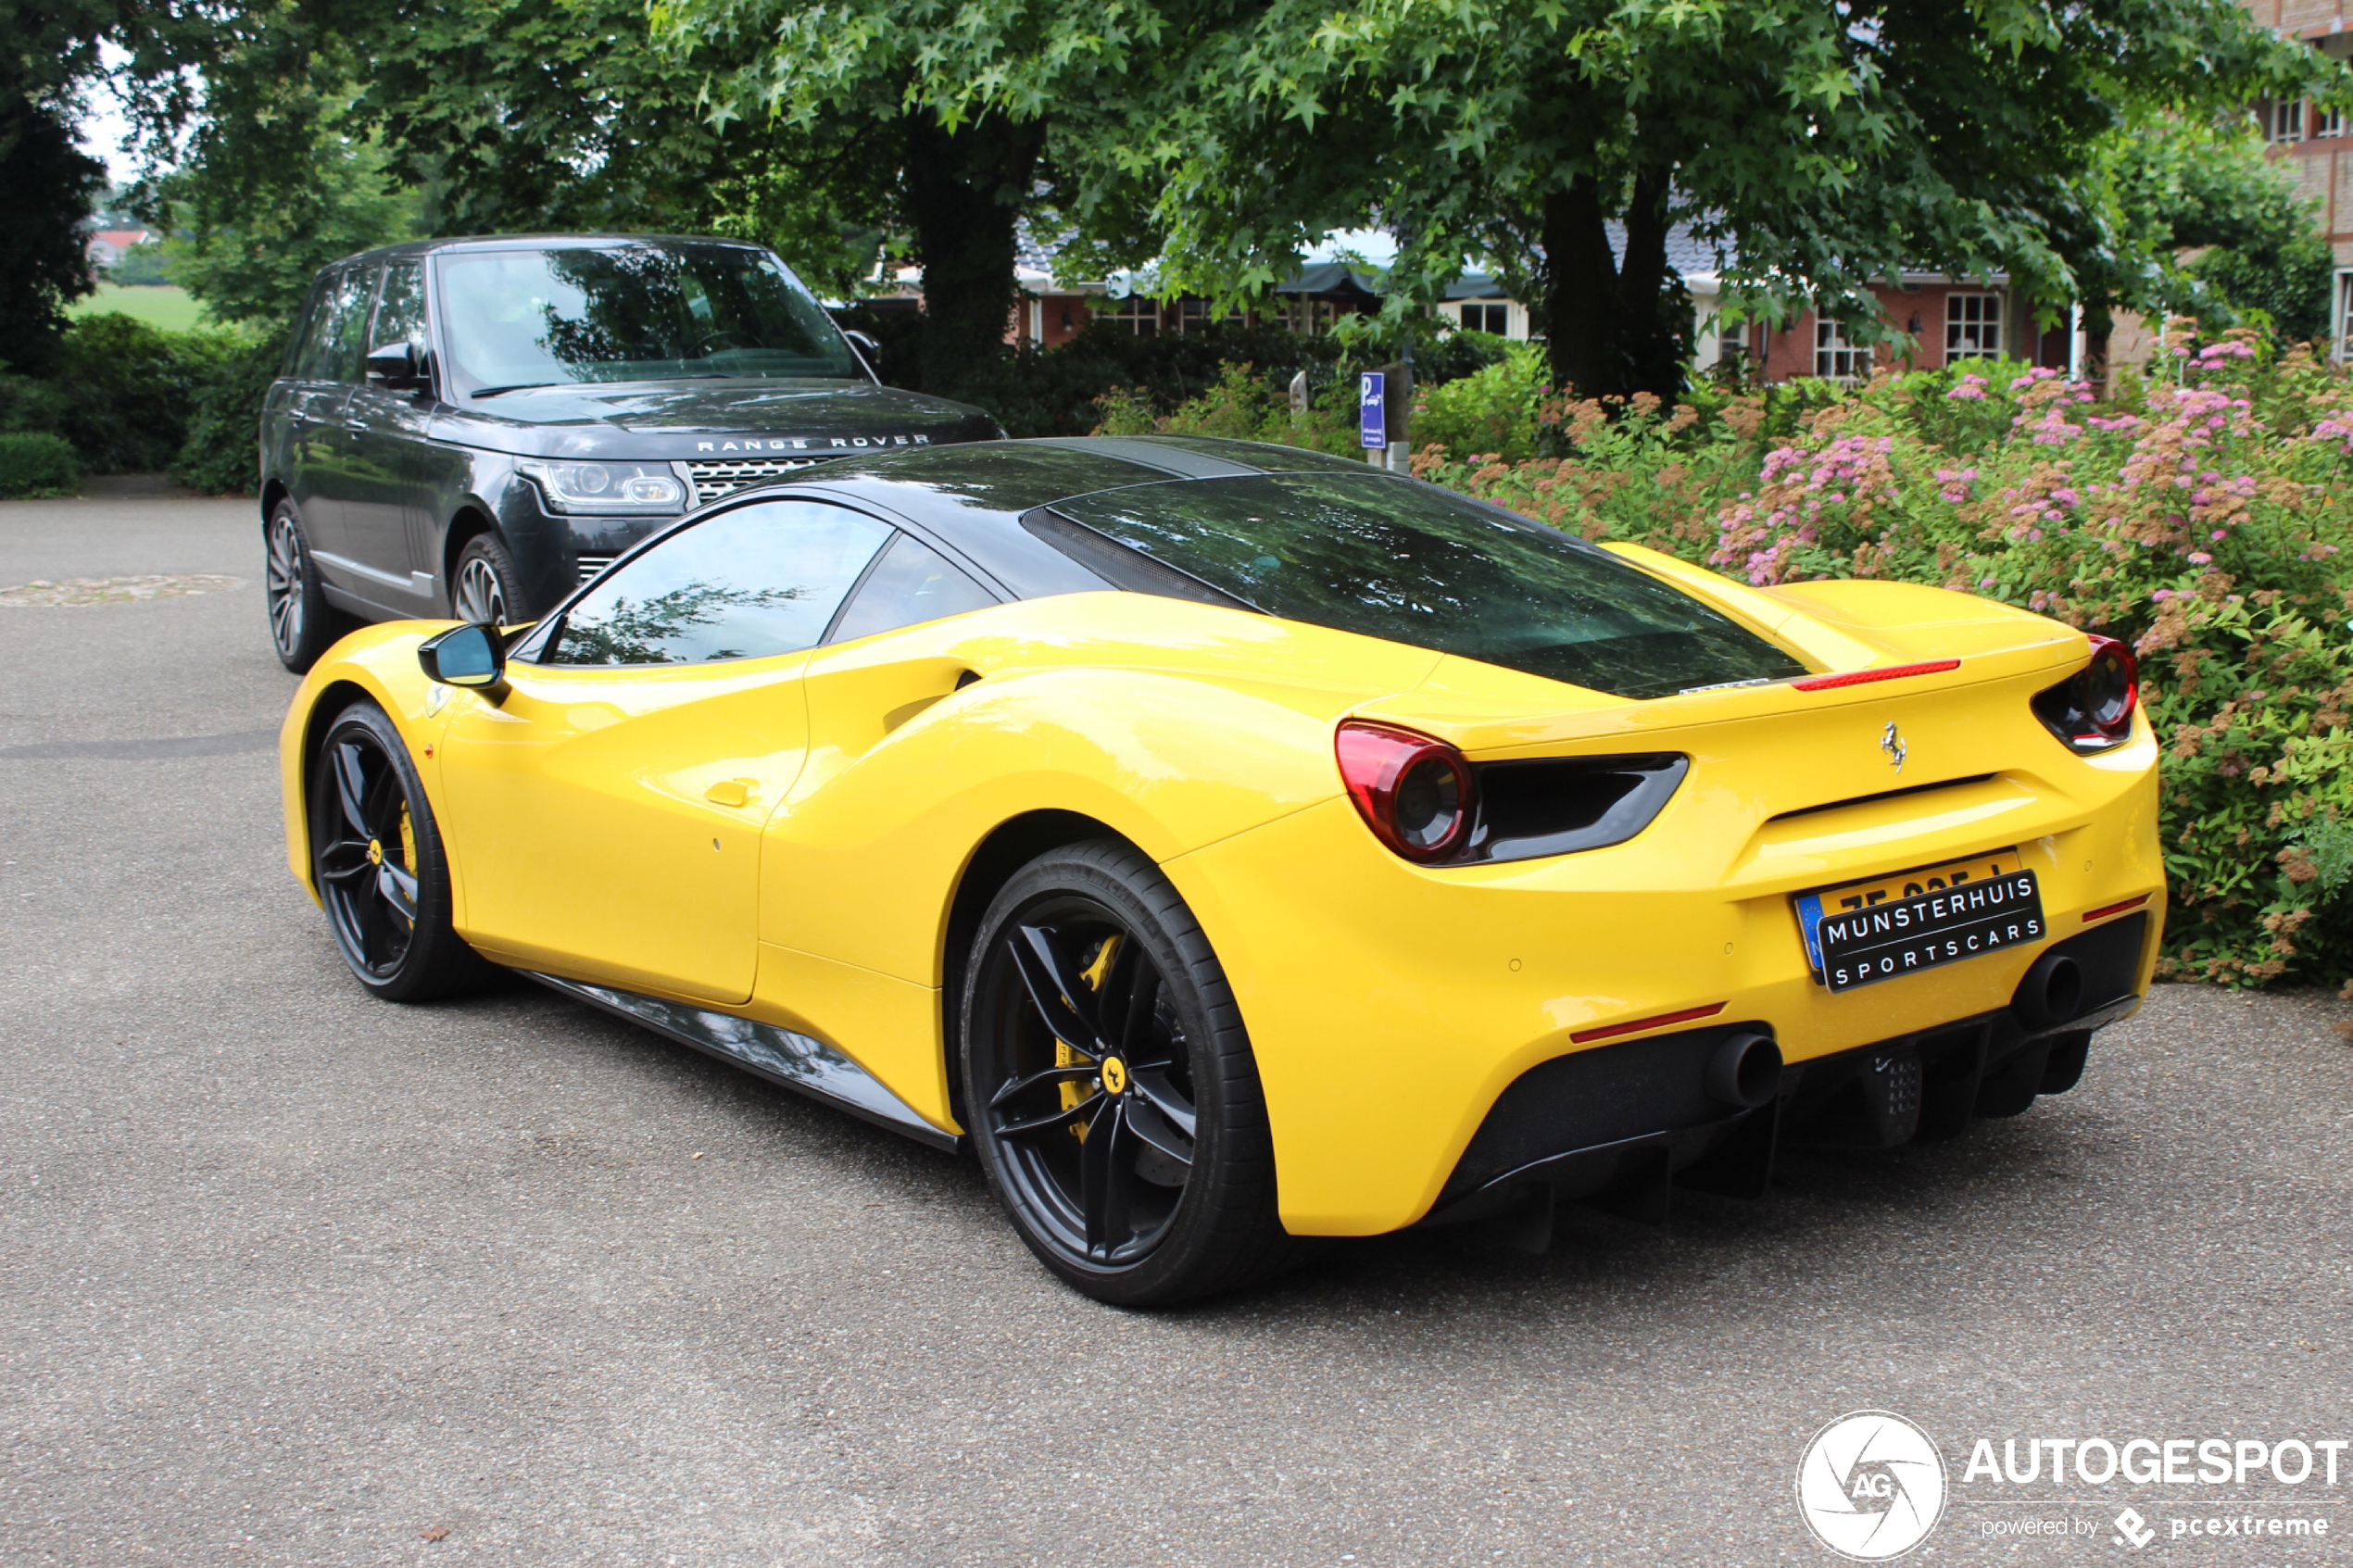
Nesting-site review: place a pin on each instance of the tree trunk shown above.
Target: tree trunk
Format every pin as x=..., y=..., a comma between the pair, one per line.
x=964, y=190
x=1616, y=326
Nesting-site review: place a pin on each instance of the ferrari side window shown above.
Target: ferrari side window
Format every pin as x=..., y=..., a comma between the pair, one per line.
x=910, y=584
x=759, y=579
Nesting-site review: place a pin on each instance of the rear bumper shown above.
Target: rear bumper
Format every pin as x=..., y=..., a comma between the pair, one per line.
x=1634, y=1121
x=1391, y=1007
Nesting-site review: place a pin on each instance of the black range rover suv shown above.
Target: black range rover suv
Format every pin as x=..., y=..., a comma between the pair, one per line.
x=473, y=428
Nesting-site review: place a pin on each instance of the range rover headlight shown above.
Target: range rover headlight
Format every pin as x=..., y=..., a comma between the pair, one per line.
x=606, y=487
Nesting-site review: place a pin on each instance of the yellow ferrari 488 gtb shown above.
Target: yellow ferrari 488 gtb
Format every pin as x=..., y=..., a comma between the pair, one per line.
x=1231, y=844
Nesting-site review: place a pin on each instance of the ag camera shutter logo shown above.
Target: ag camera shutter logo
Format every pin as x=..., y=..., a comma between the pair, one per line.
x=1871, y=1486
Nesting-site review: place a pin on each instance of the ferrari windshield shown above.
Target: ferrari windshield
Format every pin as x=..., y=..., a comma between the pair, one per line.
x=643, y=311
x=1416, y=564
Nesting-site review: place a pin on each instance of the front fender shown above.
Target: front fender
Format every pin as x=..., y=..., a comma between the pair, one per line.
x=380, y=663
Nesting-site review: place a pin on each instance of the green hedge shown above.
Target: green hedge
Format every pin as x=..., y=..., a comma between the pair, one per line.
x=35, y=463
x=221, y=453
x=127, y=396
x=1057, y=391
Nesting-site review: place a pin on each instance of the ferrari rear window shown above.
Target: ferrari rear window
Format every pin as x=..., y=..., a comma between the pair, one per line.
x=1416, y=564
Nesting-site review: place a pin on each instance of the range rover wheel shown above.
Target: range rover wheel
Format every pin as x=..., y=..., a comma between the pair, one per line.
x=1110, y=1088
x=376, y=855
x=302, y=624
x=484, y=587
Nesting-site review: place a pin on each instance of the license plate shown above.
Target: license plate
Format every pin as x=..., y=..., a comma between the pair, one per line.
x=1867, y=932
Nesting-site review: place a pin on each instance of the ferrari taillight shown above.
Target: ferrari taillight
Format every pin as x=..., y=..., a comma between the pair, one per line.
x=2092, y=709
x=1414, y=792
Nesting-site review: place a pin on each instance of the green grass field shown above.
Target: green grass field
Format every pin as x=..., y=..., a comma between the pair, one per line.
x=162, y=306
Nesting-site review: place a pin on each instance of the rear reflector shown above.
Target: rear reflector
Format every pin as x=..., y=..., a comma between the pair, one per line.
x=2119, y=908
x=1865, y=677
x=1611, y=1031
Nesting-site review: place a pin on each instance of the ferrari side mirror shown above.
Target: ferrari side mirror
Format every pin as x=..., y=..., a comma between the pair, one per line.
x=464, y=655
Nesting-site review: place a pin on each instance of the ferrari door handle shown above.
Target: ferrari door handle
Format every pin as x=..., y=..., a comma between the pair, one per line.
x=731, y=792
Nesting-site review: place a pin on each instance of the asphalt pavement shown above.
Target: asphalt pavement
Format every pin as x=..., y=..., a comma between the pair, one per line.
x=291, y=1277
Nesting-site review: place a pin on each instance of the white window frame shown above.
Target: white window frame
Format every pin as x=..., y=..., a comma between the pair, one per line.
x=2288, y=120
x=1486, y=311
x=2327, y=122
x=2341, y=346
x=1140, y=313
x=1972, y=326
x=1836, y=358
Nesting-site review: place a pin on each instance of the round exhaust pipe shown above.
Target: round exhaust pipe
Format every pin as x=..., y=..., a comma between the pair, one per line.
x=2051, y=991
x=1746, y=1072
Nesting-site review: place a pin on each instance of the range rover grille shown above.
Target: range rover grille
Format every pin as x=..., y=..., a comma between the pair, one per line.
x=715, y=479
x=591, y=565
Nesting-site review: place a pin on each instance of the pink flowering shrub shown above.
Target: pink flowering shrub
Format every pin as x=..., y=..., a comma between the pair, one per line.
x=2203, y=514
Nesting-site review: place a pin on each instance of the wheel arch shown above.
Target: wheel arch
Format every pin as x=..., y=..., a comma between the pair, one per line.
x=325, y=707
x=468, y=523
x=274, y=490
x=1008, y=847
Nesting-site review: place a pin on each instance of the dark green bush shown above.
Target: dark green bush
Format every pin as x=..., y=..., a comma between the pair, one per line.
x=30, y=403
x=1054, y=391
x=221, y=454
x=35, y=463
x=131, y=387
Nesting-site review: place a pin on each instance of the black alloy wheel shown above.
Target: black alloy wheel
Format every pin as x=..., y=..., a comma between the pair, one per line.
x=377, y=862
x=302, y=626
x=484, y=587
x=1110, y=1088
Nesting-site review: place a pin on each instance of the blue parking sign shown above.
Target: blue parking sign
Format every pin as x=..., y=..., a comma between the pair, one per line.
x=1372, y=413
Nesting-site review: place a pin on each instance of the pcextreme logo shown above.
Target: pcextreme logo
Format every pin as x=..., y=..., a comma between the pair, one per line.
x=1870, y=1485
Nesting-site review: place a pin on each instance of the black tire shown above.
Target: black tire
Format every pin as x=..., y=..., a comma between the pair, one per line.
x=377, y=860
x=484, y=586
x=302, y=624
x=1093, y=1160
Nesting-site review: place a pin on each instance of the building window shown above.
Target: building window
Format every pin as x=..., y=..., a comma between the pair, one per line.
x=1311, y=318
x=2287, y=121
x=1834, y=358
x=1493, y=319
x=2343, y=317
x=1137, y=313
x=2328, y=123
x=1972, y=326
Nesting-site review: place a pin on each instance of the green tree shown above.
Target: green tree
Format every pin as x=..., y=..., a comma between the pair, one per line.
x=966, y=111
x=48, y=54
x=320, y=127
x=2211, y=190
x=1820, y=145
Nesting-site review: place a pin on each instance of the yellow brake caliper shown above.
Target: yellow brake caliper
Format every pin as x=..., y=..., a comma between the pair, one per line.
x=1095, y=974
x=407, y=842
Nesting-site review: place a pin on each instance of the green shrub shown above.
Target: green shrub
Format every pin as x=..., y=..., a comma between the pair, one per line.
x=27, y=403
x=35, y=463
x=1495, y=410
x=221, y=454
x=1054, y=391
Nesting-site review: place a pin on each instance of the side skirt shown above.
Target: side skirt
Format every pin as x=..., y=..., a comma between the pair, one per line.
x=796, y=1061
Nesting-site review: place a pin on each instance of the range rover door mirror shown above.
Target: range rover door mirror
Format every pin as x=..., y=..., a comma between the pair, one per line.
x=397, y=366
x=868, y=349
x=464, y=655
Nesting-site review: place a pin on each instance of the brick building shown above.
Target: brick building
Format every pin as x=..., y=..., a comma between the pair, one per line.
x=2315, y=141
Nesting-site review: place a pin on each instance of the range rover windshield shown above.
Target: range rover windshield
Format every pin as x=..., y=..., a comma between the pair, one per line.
x=1415, y=564
x=636, y=312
